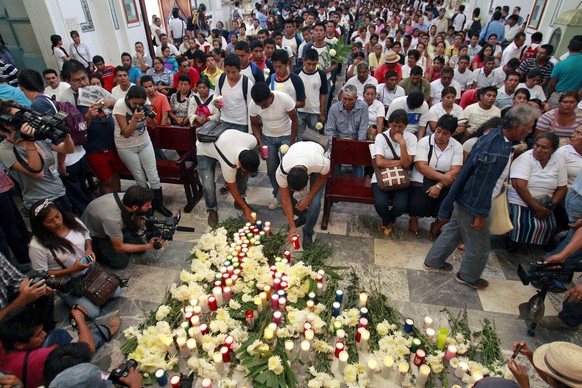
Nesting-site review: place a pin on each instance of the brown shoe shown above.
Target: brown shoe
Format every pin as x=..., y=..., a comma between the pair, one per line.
x=555, y=323
x=113, y=325
x=212, y=218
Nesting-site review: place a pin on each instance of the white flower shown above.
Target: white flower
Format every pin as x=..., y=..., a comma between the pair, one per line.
x=332, y=52
x=162, y=312
x=275, y=365
x=233, y=304
x=350, y=374
x=333, y=41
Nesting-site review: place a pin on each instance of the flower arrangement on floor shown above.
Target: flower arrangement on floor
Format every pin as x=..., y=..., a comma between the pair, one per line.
x=244, y=316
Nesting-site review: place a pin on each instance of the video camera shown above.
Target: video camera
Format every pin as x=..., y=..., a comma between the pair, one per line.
x=62, y=284
x=122, y=371
x=46, y=126
x=164, y=229
x=148, y=111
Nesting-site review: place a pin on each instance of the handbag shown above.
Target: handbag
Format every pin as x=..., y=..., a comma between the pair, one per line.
x=499, y=221
x=390, y=178
x=311, y=135
x=99, y=284
x=211, y=131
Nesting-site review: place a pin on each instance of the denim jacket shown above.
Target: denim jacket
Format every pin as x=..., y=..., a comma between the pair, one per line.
x=474, y=186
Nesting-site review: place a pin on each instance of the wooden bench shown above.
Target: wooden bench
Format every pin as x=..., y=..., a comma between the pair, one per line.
x=181, y=171
x=341, y=188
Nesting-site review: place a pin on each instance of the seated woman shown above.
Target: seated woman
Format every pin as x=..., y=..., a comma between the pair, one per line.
x=200, y=108
x=564, y=119
x=179, y=102
x=59, y=244
x=170, y=62
x=395, y=147
x=437, y=163
x=163, y=78
x=376, y=111
x=538, y=183
x=572, y=154
x=446, y=106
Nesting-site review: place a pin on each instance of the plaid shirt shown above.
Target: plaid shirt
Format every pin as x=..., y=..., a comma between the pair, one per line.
x=10, y=279
x=342, y=125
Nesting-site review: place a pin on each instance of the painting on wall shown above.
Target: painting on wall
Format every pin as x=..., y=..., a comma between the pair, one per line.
x=113, y=14
x=537, y=13
x=131, y=14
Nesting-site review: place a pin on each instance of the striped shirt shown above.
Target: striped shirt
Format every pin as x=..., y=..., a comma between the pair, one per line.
x=532, y=63
x=548, y=122
x=10, y=279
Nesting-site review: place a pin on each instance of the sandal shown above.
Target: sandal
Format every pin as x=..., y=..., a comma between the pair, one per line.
x=386, y=230
x=414, y=233
x=413, y=228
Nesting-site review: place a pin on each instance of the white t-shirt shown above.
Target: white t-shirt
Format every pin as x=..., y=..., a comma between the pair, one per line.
x=314, y=84
x=235, y=109
x=230, y=143
x=382, y=148
x=416, y=117
x=374, y=111
x=484, y=80
x=478, y=116
x=536, y=92
x=440, y=160
x=173, y=50
x=303, y=153
x=81, y=53
x=59, y=56
x=573, y=162
x=58, y=92
x=276, y=120
x=42, y=259
x=360, y=85
x=464, y=79
x=292, y=44
x=540, y=181
x=177, y=28
x=386, y=96
x=499, y=77
x=118, y=93
x=458, y=22
x=140, y=134
x=436, y=90
x=437, y=110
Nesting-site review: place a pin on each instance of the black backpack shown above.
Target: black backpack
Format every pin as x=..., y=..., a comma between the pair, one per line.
x=245, y=84
x=475, y=28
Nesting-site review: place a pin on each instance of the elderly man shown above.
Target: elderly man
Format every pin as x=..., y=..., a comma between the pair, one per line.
x=363, y=78
x=468, y=203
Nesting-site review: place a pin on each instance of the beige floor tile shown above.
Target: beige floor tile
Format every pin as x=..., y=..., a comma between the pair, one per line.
x=338, y=224
x=400, y=254
x=505, y=296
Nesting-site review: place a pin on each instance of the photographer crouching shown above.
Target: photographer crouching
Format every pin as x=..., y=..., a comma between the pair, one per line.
x=27, y=152
x=115, y=225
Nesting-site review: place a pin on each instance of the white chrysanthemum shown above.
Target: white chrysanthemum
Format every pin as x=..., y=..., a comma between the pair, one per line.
x=162, y=312
x=131, y=332
x=251, y=348
x=350, y=374
x=275, y=365
x=322, y=347
x=233, y=304
x=332, y=52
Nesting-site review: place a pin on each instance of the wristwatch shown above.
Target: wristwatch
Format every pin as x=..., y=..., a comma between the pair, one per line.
x=439, y=186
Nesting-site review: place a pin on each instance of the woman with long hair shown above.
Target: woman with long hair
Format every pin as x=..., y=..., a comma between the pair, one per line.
x=479, y=59
x=59, y=51
x=61, y=245
x=163, y=78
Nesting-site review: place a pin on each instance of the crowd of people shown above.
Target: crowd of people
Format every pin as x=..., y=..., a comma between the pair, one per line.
x=467, y=105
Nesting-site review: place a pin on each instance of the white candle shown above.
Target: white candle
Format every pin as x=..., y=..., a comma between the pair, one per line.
x=387, y=368
x=427, y=322
x=372, y=364
x=197, y=334
x=403, y=371
x=423, y=373
x=340, y=335
x=456, y=386
x=227, y=291
x=206, y=383
x=191, y=344
x=319, y=289
x=289, y=345
x=184, y=351
x=430, y=333
x=342, y=361
x=218, y=364
x=197, y=310
x=363, y=299
x=195, y=321
x=309, y=334
x=258, y=303
x=170, y=348
x=203, y=303
x=305, y=346
x=364, y=340
x=217, y=292
x=461, y=369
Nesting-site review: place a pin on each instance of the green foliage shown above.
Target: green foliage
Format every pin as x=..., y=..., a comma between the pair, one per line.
x=232, y=224
x=490, y=343
x=274, y=246
x=342, y=51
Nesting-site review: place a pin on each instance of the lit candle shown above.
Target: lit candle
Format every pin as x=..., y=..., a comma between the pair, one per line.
x=197, y=333
x=476, y=376
x=309, y=334
x=218, y=363
x=185, y=325
x=451, y=352
x=258, y=303
x=263, y=296
x=461, y=369
x=295, y=241
x=387, y=368
x=175, y=381
x=305, y=346
x=430, y=334
x=161, y=377
x=415, y=345
x=419, y=357
x=336, y=309
x=364, y=340
x=363, y=322
x=342, y=361
x=363, y=312
x=359, y=332
x=254, y=216
x=282, y=303
x=206, y=383
x=423, y=373
x=277, y=317
x=268, y=223
x=456, y=386
x=195, y=321
x=336, y=326
x=320, y=289
x=170, y=348
x=250, y=318
x=228, y=341
x=227, y=292
x=340, y=335
x=268, y=334
x=427, y=322
x=307, y=326
x=289, y=349
x=217, y=292
x=408, y=325
x=191, y=332
x=191, y=344
x=225, y=353
x=212, y=303
x=262, y=235
x=310, y=305
x=339, y=347
x=363, y=299
x=442, y=338
x=403, y=371
x=184, y=351
x=287, y=255
x=267, y=290
x=259, y=225
x=203, y=303
x=372, y=365
x=275, y=301
x=267, y=230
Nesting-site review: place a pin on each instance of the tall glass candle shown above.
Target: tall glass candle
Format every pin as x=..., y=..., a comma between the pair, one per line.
x=225, y=353
x=451, y=352
x=372, y=365
x=427, y=322
x=191, y=344
x=442, y=338
x=184, y=351
x=218, y=363
x=461, y=369
x=423, y=373
x=206, y=383
x=363, y=299
x=402, y=372
x=387, y=367
x=305, y=346
x=339, y=347
x=342, y=361
x=289, y=345
x=430, y=333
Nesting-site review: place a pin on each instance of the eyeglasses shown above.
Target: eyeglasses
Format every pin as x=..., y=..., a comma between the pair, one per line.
x=42, y=206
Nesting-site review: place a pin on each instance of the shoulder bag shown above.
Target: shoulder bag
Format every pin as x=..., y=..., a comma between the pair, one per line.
x=391, y=178
x=499, y=220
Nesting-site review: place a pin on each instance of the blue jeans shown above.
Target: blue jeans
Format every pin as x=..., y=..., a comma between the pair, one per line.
x=238, y=127
x=206, y=170
x=74, y=182
x=573, y=204
x=382, y=200
x=141, y=162
x=93, y=310
x=312, y=212
x=274, y=143
x=306, y=120
x=477, y=245
x=62, y=337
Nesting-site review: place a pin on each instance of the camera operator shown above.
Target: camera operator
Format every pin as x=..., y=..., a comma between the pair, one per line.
x=35, y=169
x=115, y=224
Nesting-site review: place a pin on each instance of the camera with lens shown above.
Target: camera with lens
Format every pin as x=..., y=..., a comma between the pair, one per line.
x=546, y=274
x=48, y=126
x=122, y=371
x=62, y=284
x=164, y=229
x=147, y=110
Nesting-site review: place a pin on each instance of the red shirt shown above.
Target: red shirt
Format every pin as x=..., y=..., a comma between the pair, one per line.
x=381, y=70
x=468, y=97
x=107, y=76
x=192, y=73
x=14, y=362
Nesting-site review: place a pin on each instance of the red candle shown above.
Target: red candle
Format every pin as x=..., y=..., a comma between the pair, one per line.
x=228, y=341
x=230, y=269
x=275, y=301
x=218, y=283
x=287, y=255
x=175, y=381
x=359, y=333
x=295, y=240
x=204, y=329
x=339, y=347
x=419, y=357
x=188, y=315
x=320, y=278
x=363, y=322
x=212, y=304
x=225, y=351
x=234, y=278
x=284, y=285
x=224, y=277
x=277, y=317
x=241, y=255
x=226, y=293
x=277, y=283
x=267, y=230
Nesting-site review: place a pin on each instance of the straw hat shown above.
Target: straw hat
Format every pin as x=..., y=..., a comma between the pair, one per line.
x=391, y=57
x=560, y=360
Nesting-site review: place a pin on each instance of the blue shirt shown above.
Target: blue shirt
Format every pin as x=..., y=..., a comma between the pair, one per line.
x=567, y=73
x=262, y=18
x=134, y=74
x=577, y=185
x=8, y=92
x=493, y=27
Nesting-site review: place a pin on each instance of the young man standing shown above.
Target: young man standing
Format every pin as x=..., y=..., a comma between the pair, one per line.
x=248, y=68
x=235, y=96
x=286, y=81
x=315, y=93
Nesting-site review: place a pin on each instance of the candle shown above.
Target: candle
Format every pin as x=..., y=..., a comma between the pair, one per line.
x=359, y=332
x=287, y=255
x=197, y=333
x=228, y=341
x=319, y=289
x=339, y=347
x=340, y=335
x=267, y=223
x=451, y=352
x=336, y=326
x=277, y=283
x=267, y=290
x=161, y=377
x=275, y=301
x=342, y=361
x=191, y=344
x=408, y=325
x=218, y=363
x=268, y=334
x=363, y=312
x=423, y=373
x=191, y=332
x=372, y=364
x=442, y=337
x=310, y=305
x=250, y=318
x=254, y=216
x=185, y=325
x=277, y=317
x=311, y=295
x=339, y=296
x=267, y=230
x=419, y=357
x=217, y=292
x=206, y=383
x=289, y=349
x=184, y=351
x=282, y=303
x=476, y=376
x=225, y=353
x=336, y=309
x=263, y=296
x=212, y=303
x=305, y=346
x=307, y=326
x=456, y=386
x=430, y=334
x=259, y=225
x=364, y=340
x=387, y=368
x=363, y=322
x=309, y=334
x=403, y=371
x=427, y=322
x=227, y=292
x=195, y=321
x=203, y=303
x=204, y=329
x=170, y=348
x=363, y=299
x=258, y=303
x=415, y=345
x=262, y=235
x=461, y=369
x=175, y=381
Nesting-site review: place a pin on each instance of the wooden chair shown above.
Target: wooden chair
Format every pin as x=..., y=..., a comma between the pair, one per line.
x=341, y=188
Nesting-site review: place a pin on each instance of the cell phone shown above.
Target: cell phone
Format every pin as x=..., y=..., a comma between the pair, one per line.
x=4, y=374
x=516, y=352
x=87, y=260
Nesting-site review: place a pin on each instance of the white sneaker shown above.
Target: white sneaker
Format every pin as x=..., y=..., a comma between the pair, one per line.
x=274, y=203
